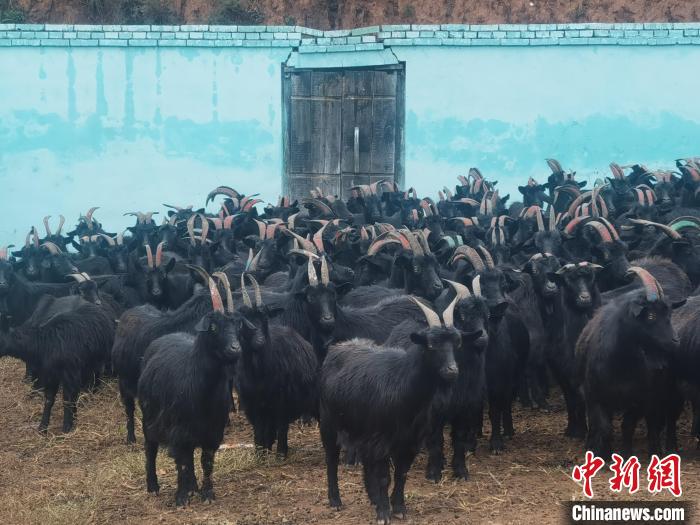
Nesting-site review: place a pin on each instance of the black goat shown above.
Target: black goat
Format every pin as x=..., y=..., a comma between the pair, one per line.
x=572, y=308
x=184, y=394
x=624, y=361
x=277, y=375
x=140, y=326
x=460, y=403
x=64, y=344
x=377, y=399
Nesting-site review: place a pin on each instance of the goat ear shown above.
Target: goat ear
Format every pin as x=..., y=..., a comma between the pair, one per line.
x=678, y=304
x=499, y=310
x=343, y=288
x=471, y=336
x=202, y=325
x=251, y=241
x=171, y=264
x=419, y=338
x=636, y=308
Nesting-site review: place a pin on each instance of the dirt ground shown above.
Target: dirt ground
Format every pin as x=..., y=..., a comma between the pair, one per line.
x=92, y=476
x=324, y=14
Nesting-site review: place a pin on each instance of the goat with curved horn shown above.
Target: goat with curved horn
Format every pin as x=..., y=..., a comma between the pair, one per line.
x=430, y=316
x=652, y=288
x=223, y=279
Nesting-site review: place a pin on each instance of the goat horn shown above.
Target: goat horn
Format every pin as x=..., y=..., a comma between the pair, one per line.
x=319, y=204
x=149, y=256
x=379, y=244
x=666, y=229
x=107, y=238
x=4, y=250
x=88, y=216
x=610, y=227
x=476, y=286
x=262, y=229
x=52, y=248
x=254, y=262
x=311, y=272
x=573, y=225
x=448, y=314
x=554, y=166
x=305, y=253
x=617, y=171
x=486, y=256
x=461, y=290
x=652, y=287
x=318, y=238
x=159, y=254
x=190, y=230
x=205, y=228
x=601, y=229
x=223, y=278
x=222, y=190
x=305, y=243
x=472, y=256
x=325, y=273
x=430, y=316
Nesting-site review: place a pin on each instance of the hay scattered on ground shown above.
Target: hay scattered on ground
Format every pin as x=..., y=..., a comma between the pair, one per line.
x=92, y=476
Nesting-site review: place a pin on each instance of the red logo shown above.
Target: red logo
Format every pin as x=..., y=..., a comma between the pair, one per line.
x=665, y=474
x=661, y=474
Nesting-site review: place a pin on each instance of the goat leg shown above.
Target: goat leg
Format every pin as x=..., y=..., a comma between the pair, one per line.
x=329, y=437
x=436, y=458
x=70, y=407
x=49, y=398
x=207, y=491
x=151, y=449
x=402, y=463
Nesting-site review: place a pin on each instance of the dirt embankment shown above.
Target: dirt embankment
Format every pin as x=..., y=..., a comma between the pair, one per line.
x=324, y=14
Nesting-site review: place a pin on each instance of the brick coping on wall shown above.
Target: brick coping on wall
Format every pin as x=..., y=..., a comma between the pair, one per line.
x=366, y=38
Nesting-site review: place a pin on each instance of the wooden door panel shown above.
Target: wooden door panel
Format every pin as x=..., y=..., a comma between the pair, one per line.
x=384, y=83
x=323, y=108
x=383, y=135
x=358, y=83
x=357, y=112
x=315, y=141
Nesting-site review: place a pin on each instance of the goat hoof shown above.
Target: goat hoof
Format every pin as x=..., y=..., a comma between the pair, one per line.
x=433, y=475
x=461, y=473
x=496, y=446
x=207, y=495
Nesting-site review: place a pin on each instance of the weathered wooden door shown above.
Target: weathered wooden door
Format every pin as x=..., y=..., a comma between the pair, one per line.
x=343, y=127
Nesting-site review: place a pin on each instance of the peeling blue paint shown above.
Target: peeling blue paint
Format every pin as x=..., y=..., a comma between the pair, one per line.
x=141, y=124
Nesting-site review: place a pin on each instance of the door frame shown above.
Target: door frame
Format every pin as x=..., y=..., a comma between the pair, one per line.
x=399, y=146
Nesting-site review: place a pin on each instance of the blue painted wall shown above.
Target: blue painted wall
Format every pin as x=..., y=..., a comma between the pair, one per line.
x=506, y=109
x=130, y=128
